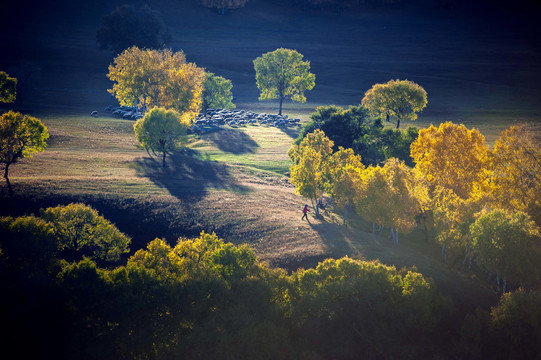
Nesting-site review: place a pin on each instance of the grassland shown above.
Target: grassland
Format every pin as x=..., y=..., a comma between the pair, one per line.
x=481, y=72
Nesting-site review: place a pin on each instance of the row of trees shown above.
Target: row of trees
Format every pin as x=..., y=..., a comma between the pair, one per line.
x=482, y=203
x=70, y=296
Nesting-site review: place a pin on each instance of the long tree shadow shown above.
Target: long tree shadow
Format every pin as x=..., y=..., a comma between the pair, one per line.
x=186, y=176
x=291, y=131
x=232, y=141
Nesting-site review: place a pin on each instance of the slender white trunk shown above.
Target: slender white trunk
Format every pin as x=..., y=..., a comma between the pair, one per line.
x=444, y=253
x=391, y=234
x=380, y=230
x=465, y=257
x=373, y=228
x=396, y=236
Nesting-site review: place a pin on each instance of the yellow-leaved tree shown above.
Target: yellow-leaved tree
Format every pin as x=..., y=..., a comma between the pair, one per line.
x=148, y=78
x=453, y=157
x=345, y=170
x=310, y=168
x=516, y=177
x=390, y=196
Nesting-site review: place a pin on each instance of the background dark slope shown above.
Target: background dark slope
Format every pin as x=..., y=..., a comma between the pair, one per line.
x=476, y=64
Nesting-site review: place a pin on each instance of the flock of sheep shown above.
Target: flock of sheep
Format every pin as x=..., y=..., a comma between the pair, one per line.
x=212, y=119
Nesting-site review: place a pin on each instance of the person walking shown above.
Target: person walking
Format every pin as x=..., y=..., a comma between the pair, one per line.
x=305, y=212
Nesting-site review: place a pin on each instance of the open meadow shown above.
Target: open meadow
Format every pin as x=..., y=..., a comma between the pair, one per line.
x=484, y=74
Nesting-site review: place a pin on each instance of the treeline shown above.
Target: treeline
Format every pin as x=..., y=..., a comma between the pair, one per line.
x=482, y=204
x=65, y=297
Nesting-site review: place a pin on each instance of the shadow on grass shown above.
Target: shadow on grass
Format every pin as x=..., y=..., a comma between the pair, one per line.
x=232, y=141
x=291, y=131
x=186, y=176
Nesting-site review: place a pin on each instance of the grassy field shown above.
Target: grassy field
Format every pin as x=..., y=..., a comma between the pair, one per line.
x=481, y=71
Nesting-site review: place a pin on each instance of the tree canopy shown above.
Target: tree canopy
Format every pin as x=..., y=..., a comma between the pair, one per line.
x=160, y=130
x=128, y=25
x=21, y=136
x=148, y=78
x=402, y=99
x=8, y=88
x=283, y=74
x=217, y=92
x=454, y=157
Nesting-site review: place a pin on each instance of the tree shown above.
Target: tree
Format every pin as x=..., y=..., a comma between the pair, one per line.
x=128, y=26
x=509, y=245
x=148, y=78
x=82, y=232
x=516, y=173
x=21, y=136
x=160, y=130
x=8, y=88
x=222, y=5
x=283, y=74
x=217, y=92
x=342, y=126
x=402, y=99
x=453, y=157
x=345, y=173
x=310, y=169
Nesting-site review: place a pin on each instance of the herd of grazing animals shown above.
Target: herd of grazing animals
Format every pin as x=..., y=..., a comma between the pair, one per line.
x=211, y=119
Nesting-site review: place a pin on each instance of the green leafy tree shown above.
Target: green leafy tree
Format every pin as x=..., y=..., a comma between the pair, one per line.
x=283, y=74
x=21, y=136
x=128, y=26
x=509, y=245
x=8, y=88
x=160, y=130
x=82, y=232
x=217, y=93
x=402, y=99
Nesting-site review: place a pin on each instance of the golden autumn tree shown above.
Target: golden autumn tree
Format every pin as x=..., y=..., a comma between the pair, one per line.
x=389, y=196
x=345, y=173
x=453, y=157
x=148, y=78
x=310, y=170
x=516, y=176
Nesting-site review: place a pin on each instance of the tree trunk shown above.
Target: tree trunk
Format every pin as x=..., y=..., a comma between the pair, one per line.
x=396, y=236
x=444, y=253
x=373, y=228
x=163, y=159
x=7, y=178
x=281, y=101
x=380, y=230
x=345, y=212
x=397, y=123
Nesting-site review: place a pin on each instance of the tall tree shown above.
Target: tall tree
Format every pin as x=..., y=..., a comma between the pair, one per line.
x=21, y=136
x=160, y=130
x=222, y=5
x=8, y=88
x=128, y=26
x=217, y=92
x=148, y=78
x=310, y=169
x=345, y=172
x=509, y=245
x=282, y=74
x=453, y=157
x=516, y=176
x=402, y=99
